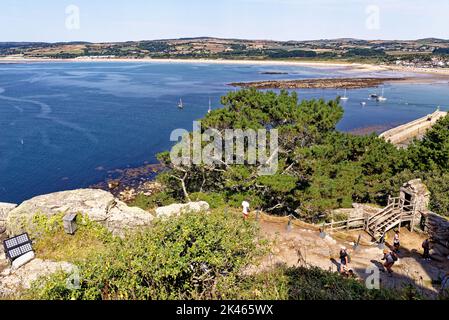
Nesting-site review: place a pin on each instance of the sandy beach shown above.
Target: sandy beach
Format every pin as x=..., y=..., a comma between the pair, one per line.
x=367, y=67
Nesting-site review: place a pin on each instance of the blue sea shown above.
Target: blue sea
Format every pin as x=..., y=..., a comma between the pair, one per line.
x=67, y=125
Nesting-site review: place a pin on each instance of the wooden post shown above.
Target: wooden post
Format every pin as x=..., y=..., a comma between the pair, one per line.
x=412, y=223
x=289, y=224
x=332, y=221
x=366, y=221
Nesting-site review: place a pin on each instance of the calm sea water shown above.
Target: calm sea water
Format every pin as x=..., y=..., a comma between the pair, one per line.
x=65, y=125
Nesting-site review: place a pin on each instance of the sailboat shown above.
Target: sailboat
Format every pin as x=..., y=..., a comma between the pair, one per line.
x=344, y=98
x=210, y=107
x=381, y=97
x=180, y=104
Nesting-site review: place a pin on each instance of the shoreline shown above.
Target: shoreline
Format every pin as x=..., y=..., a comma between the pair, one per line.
x=370, y=67
x=419, y=76
x=416, y=75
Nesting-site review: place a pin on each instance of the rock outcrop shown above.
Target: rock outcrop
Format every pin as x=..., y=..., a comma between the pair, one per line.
x=437, y=227
x=326, y=83
x=358, y=210
x=178, y=208
x=13, y=281
x=416, y=192
x=100, y=206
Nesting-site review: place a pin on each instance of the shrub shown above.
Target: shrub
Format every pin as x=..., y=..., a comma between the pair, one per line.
x=51, y=242
x=301, y=283
x=215, y=200
x=181, y=258
x=156, y=200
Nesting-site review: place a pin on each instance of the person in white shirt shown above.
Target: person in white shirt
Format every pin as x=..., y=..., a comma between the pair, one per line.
x=396, y=242
x=245, y=210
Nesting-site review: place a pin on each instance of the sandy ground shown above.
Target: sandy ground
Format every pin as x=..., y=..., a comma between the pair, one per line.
x=434, y=71
x=302, y=245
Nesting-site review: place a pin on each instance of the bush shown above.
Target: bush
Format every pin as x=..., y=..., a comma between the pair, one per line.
x=215, y=200
x=199, y=256
x=51, y=241
x=300, y=283
x=156, y=200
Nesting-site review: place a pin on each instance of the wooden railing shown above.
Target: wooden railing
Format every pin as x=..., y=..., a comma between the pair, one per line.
x=349, y=224
x=378, y=224
x=392, y=204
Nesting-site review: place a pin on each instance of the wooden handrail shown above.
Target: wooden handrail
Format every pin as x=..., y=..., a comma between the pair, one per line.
x=393, y=214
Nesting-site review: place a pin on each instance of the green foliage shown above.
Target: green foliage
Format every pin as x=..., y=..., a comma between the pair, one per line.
x=215, y=200
x=302, y=123
x=278, y=183
x=291, y=54
x=51, y=242
x=361, y=52
x=236, y=199
x=319, y=169
x=182, y=258
x=158, y=199
x=198, y=256
x=252, y=109
x=441, y=51
x=432, y=153
x=317, y=284
x=300, y=283
x=428, y=159
x=438, y=184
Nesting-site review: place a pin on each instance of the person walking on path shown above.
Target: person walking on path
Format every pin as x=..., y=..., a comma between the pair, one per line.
x=396, y=242
x=344, y=261
x=426, y=249
x=245, y=209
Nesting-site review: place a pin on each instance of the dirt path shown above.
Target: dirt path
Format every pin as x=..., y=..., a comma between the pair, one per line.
x=317, y=251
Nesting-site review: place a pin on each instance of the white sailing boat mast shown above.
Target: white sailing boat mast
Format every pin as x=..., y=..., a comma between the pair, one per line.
x=180, y=104
x=210, y=107
x=382, y=98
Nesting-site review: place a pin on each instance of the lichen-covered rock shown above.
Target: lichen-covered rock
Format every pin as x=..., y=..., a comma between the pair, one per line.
x=178, y=208
x=13, y=281
x=100, y=206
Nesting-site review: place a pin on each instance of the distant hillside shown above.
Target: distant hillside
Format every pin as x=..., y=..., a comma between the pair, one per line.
x=385, y=51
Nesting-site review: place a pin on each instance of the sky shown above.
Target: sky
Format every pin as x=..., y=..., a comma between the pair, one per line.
x=119, y=20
